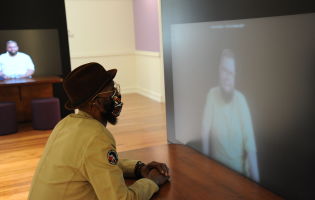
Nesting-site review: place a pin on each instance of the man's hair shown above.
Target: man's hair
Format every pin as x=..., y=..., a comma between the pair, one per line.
x=226, y=53
x=11, y=41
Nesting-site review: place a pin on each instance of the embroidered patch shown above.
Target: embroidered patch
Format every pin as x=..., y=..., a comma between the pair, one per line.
x=112, y=157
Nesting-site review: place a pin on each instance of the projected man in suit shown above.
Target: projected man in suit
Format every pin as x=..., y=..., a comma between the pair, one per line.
x=227, y=131
x=15, y=64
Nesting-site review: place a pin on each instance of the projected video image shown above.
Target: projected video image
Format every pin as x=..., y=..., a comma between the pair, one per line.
x=15, y=64
x=244, y=95
x=29, y=53
x=227, y=131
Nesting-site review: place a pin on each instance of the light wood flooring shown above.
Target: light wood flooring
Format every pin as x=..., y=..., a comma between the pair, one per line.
x=141, y=124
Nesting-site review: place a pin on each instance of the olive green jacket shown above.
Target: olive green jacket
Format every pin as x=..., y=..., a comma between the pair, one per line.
x=76, y=164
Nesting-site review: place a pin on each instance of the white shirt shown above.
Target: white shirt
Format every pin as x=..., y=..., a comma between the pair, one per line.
x=15, y=66
x=227, y=132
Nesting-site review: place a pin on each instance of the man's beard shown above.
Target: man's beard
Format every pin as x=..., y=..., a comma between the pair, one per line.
x=12, y=53
x=108, y=116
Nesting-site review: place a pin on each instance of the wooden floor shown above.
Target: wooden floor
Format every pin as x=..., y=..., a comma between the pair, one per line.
x=141, y=124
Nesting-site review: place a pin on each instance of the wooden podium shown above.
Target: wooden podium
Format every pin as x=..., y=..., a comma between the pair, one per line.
x=22, y=91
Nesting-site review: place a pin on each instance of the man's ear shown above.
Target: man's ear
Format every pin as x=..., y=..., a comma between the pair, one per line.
x=93, y=104
x=99, y=104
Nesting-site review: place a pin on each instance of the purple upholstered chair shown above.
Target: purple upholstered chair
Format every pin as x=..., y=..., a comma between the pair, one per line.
x=8, y=122
x=45, y=113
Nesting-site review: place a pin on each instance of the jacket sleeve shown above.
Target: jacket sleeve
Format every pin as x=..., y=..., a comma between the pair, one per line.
x=128, y=167
x=106, y=177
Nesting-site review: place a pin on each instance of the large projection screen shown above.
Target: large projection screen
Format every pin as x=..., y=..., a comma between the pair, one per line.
x=242, y=93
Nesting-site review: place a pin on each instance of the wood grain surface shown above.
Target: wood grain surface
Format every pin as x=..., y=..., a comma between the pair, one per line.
x=30, y=81
x=22, y=91
x=196, y=177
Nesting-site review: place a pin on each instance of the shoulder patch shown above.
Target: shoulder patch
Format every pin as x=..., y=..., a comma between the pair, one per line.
x=112, y=157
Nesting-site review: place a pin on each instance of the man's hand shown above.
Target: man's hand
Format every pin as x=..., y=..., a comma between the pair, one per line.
x=158, y=178
x=6, y=77
x=29, y=73
x=160, y=167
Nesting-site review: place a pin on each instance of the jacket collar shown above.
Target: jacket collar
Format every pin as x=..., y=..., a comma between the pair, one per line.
x=82, y=114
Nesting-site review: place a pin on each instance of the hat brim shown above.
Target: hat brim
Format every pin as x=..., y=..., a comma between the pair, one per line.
x=111, y=73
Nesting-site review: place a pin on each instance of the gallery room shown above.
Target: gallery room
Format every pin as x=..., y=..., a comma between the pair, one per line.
x=157, y=99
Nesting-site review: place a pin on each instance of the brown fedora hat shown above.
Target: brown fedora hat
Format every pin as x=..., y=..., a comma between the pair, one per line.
x=85, y=82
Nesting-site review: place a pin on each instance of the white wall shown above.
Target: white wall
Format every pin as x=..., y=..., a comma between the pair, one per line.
x=149, y=75
x=99, y=27
x=103, y=31
x=150, y=70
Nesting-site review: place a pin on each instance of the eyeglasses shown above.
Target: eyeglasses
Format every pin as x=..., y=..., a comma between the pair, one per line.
x=116, y=90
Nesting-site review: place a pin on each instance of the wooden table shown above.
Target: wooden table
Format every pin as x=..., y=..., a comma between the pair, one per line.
x=22, y=91
x=194, y=176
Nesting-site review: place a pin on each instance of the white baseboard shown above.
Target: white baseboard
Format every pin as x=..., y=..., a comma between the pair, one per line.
x=150, y=94
x=129, y=90
x=114, y=53
x=144, y=92
x=102, y=54
x=147, y=53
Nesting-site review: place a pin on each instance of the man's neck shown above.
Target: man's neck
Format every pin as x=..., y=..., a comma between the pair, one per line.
x=12, y=55
x=227, y=96
x=95, y=115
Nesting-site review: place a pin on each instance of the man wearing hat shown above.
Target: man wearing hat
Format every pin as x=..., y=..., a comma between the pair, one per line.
x=80, y=159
